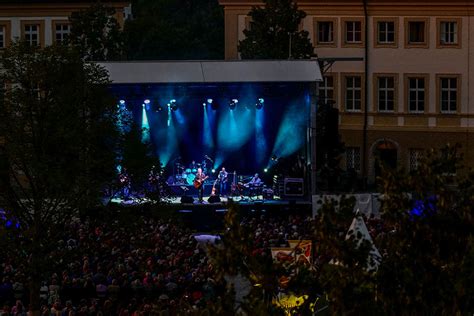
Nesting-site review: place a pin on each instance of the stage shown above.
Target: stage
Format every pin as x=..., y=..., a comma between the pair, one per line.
x=253, y=120
x=209, y=217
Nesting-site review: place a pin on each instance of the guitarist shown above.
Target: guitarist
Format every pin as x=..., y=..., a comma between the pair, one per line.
x=223, y=181
x=198, y=183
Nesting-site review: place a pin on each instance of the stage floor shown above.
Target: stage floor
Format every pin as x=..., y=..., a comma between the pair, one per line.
x=223, y=200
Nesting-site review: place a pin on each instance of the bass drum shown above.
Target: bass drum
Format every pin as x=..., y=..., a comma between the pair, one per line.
x=190, y=178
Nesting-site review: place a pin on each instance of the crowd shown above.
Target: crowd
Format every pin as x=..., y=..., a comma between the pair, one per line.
x=147, y=267
x=110, y=269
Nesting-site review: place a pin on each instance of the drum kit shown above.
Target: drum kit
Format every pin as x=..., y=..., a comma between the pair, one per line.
x=187, y=175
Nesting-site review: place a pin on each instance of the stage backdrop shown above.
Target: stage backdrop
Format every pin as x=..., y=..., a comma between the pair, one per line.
x=186, y=122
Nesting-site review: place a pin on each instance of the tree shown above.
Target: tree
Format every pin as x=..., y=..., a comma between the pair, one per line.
x=58, y=126
x=425, y=238
x=274, y=33
x=171, y=29
x=96, y=33
x=137, y=156
x=328, y=147
x=428, y=263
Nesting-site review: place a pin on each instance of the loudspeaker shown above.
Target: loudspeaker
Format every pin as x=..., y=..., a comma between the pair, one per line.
x=294, y=187
x=214, y=199
x=187, y=199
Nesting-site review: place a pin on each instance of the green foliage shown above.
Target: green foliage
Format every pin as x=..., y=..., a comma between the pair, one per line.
x=171, y=29
x=427, y=266
x=58, y=124
x=270, y=32
x=329, y=148
x=137, y=156
x=96, y=33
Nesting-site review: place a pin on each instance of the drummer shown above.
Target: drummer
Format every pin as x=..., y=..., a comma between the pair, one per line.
x=193, y=166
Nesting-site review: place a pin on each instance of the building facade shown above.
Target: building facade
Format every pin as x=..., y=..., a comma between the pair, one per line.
x=413, y=88
x=45, y=22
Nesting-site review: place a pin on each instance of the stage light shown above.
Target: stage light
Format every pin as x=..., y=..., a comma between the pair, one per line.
x=122, y=102
x=173, y=105
x=146, y=104
x=265, y=170
x=259, y=103
x=209, y=101
x=159, y=108
x=233, y=104
x=213, y=170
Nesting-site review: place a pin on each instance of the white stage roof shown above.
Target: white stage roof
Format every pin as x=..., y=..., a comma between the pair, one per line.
x=213, y=71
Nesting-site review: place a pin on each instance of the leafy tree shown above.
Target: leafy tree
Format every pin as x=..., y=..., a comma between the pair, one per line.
x=273, y=30
x=137, y=156
x=329, y=147
x=96, y=33
x=425, y=237
x=58, y=126
x=171, y=29
x=428, y=262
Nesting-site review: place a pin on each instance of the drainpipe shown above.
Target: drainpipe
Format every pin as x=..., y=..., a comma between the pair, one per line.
x=366, y=89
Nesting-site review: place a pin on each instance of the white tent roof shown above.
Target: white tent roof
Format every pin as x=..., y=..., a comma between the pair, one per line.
x=358, y=226
x=214, y=71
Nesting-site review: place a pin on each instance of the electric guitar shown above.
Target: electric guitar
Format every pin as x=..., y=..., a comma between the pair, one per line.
x=198, y=183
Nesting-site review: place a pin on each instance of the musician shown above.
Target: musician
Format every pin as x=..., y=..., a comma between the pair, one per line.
x=254, y=184
x=255, y=181
x=153, y=178
x=193, y=165
x=223, y=181
x=124, y=180
x=200, y=176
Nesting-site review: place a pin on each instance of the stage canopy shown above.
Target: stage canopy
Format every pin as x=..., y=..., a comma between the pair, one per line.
x=213, y=71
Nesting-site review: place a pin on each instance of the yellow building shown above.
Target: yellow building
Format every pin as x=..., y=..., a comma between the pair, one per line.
x=44, y=22
x=414, y=88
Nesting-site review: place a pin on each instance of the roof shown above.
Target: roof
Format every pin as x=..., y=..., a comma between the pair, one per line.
x=214, y=71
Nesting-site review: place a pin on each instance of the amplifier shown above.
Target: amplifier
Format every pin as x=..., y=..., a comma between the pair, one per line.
x=294, y=186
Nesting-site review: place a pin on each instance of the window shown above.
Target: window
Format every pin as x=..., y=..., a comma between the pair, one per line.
x=353, y=32
x=385, y=32
x=385, y=94
x=449, y=33
x=325, y=32
x=448, y=94
x=31, y=34
x=326, y=89
x=416, y=94
x=416, y=32
x=415, y=158
x=2, y=36
x=353, y=93
x=353, y=158
x=61, y=32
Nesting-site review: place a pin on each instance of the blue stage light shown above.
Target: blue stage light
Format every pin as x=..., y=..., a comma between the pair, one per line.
x=265, y=170
x=213, y=170
x=122, y=102
x=173, y=105
x=147, y=101
x=259, y=103
x=233, y=103
x=209, y=101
